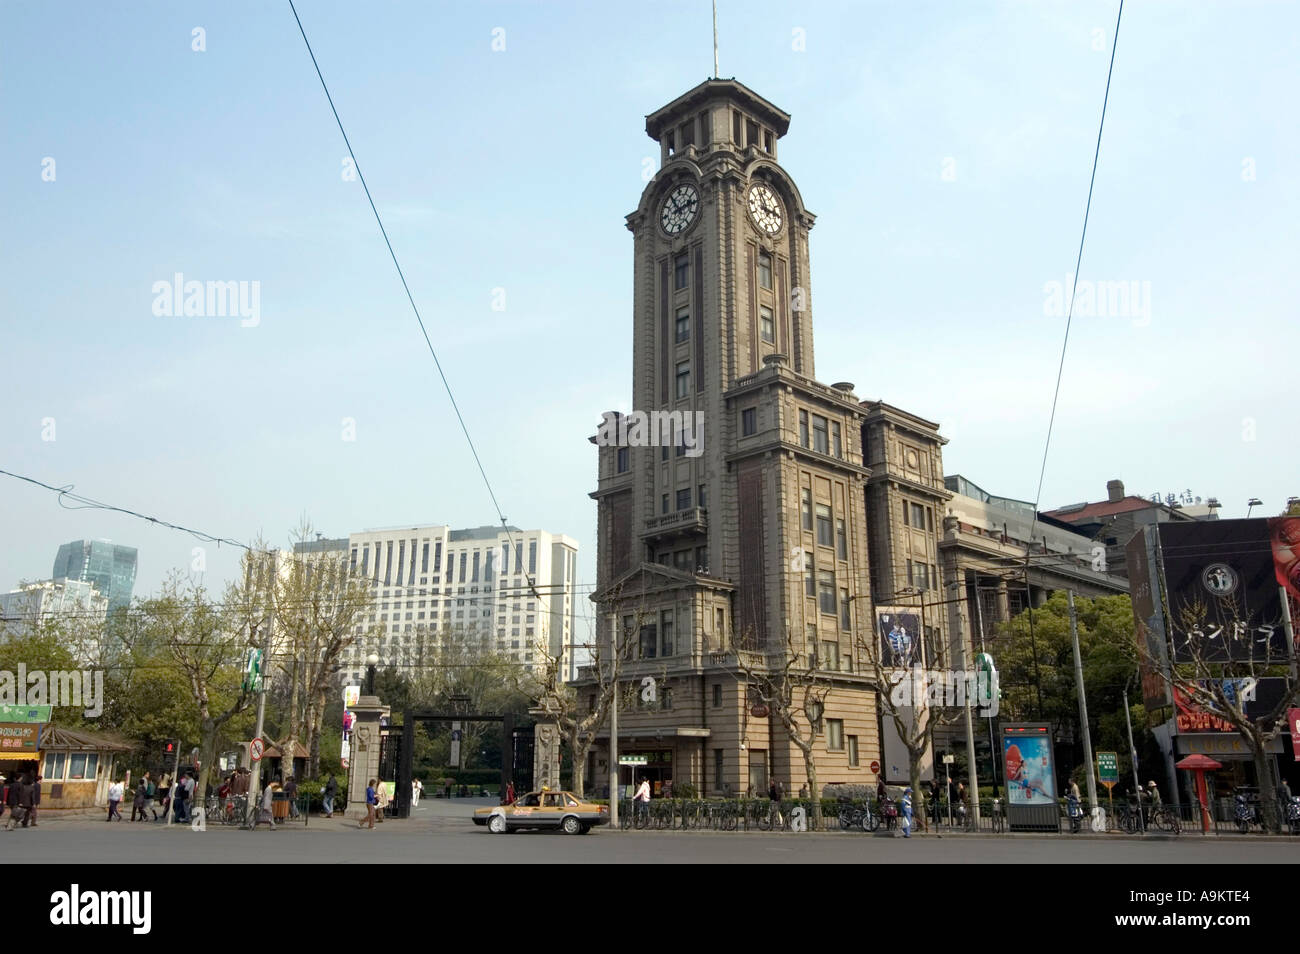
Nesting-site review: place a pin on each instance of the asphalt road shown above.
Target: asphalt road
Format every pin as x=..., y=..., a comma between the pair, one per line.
x=441, y=832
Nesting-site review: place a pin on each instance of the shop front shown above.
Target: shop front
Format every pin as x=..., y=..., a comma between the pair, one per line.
x=76, y=767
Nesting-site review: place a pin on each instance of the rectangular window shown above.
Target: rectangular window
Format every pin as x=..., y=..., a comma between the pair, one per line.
x=751, y=133
x=905, y=523
x=437, y=555
x=424, y=559
x=929, y=519
x=835, y=734
x=702, y=497
x=807, y=509
x=77, y=765
x=767, y=141
x=463, y=557
x=649, y=640
x=682, y=560
x=837, y=445
x=844, y=609
x=735, y=131
x=666, y=636
x=474, y=578
x=922, y=577
x=683, y=325
x=722, y=626
x=388, y=565
x=819, y=434
x=352, y=568
x=809, y=583
x=766, y=326
x=918, y=516
x=765, y=269
x=684, y=499
x=683, y=379
x=664, y=504
x=532, y=556
x=622, y=460
x=681, y=272
x=401, y=559
x=748, y=422
x=811, y=641
x=853, y=751
x=717, y=695
x=841, y=540
x=823, y=525
x=826, y=591
x=803, y=428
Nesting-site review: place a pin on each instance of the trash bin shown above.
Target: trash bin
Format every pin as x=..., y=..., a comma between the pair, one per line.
x=279, y=806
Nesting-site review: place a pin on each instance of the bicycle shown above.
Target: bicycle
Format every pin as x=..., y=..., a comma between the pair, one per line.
x=1165, y=818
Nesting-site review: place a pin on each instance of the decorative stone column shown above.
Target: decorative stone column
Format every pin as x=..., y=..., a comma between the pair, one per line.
x=546, y=749
x=363, y=764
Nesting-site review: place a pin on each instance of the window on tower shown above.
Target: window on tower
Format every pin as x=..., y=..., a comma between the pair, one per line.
x=681, y=272
x=765, y=269
x=683, y=325
x=748, y=423
x=767, y=326
x=820, y=443
x=683, y=379
x=623, y=453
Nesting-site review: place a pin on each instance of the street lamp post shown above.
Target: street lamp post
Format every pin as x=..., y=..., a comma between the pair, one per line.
x=371, y=662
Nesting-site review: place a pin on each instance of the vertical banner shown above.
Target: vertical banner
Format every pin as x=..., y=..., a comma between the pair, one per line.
x=1293, y=722
x=899, y=631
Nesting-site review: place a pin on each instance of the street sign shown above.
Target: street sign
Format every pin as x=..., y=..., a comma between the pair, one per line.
x=875, y=768
x=949, y=759
x=255, y=749
x=759, y=711
x=631, y=760
x=1108, y=767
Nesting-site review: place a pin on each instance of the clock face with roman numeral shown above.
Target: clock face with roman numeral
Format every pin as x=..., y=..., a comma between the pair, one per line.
x=679, y=209
x=765, y=209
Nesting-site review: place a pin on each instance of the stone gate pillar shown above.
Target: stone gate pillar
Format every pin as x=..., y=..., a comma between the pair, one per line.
x=546, y=749
x=363, y=763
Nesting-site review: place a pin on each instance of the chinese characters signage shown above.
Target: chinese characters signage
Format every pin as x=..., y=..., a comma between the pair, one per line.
x=19, y=739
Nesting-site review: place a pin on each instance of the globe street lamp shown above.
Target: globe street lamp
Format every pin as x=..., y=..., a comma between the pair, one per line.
x=371, y=662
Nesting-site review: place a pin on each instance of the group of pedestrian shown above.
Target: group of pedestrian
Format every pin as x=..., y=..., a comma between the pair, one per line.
x=21, y=797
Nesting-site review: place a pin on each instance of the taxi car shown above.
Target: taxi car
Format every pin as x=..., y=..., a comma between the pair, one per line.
x=544, y=809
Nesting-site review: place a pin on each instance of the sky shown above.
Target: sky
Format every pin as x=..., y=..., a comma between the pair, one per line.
x=945, y=147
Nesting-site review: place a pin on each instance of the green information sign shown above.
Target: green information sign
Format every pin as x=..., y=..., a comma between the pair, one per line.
x=25, y=713
x=1108, y=767
x=631, y=760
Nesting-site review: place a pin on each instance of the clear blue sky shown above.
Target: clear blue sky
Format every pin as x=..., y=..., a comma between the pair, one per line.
x=514, y=169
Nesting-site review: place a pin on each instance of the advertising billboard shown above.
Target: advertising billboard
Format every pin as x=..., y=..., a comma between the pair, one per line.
x=1030, y=773
x=899, y=629
x=1222, y=578
x=1255, y=697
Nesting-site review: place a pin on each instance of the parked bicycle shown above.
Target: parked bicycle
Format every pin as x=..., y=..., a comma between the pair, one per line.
x=857, y=816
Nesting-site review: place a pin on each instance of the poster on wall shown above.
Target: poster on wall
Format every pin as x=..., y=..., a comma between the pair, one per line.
x=900, y=637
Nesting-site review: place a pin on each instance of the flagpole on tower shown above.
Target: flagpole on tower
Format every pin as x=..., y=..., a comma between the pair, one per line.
x=715, y=39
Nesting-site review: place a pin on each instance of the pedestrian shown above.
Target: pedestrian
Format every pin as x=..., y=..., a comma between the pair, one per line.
x=189, y=783
x=327, y=799
x=114, y=799
x=178, y=799
x=291, y=790
x=381, y=801
x=140, y=799
x=803, y=790
x=13, y=800
x=371, y=801
x=36, y=800
x=1153, y=793
x=266, y=813
x=417, y=790
x=775, y=791
x=164, y=794
x=641, y=800
x=510, y=792
x=907, y=813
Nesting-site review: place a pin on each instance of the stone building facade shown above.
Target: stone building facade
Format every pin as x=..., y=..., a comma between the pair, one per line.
x=754, y=536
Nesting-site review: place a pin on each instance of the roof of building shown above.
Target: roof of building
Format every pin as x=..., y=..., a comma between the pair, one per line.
x=760, y=107
x=1102, y=508
x=57, y=737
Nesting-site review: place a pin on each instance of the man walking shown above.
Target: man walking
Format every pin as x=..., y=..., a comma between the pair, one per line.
x=907, y=813
x=327, y=799
x=291, y=791
x=140, y=801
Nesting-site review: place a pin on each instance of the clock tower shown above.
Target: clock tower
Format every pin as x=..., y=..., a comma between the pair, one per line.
x=731, y=499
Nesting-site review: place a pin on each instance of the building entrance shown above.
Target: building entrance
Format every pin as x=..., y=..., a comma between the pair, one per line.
x=658, y=769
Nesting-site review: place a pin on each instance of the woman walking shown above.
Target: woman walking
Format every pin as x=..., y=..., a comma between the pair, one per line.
x=164, y=795
x=114, y=799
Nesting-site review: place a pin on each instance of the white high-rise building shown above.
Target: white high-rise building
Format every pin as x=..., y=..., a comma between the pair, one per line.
x=71, y=600
x=511, y=590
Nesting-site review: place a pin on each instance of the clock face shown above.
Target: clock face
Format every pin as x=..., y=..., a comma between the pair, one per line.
x=765, y=208
x=679, y=209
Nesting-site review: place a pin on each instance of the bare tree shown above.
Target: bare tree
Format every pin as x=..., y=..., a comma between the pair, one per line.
x=580, y=719
x=795, y=689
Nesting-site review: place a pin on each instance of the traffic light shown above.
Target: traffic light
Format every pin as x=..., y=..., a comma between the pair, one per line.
x=169, y=748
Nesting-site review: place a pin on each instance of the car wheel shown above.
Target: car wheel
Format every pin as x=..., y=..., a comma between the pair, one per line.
x=571, y=826
x=497, y=824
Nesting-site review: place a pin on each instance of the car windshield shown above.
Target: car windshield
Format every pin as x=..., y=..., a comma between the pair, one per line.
x=532, y=799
